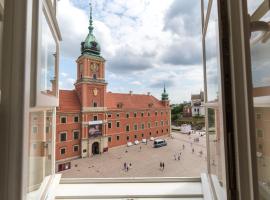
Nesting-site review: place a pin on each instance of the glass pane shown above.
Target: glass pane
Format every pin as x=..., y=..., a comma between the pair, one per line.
x=216, y=148
x=41, y=124
x=214, y=119
x=253, y=5
x=212, y=55
x=261, y=89
x=48, y=59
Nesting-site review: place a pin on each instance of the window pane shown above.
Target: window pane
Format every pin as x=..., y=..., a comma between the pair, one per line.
x=212, y=55
x=214, y=128
x=47, y=59
x=261, y=90
x=40, y=149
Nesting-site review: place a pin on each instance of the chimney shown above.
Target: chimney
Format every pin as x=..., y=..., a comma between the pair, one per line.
x=148, y=93
x=130, y=92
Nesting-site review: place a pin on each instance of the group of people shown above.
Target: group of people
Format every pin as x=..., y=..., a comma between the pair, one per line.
x=177, y=156
x=127, y=166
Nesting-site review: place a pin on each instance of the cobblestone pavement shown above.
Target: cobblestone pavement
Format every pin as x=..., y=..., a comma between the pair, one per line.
x=145, y=161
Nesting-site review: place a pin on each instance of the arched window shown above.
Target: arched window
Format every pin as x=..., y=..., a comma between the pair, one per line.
x=95, y=104
x=94, y=76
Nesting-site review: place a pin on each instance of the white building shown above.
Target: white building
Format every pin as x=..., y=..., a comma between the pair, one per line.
x=197, y=104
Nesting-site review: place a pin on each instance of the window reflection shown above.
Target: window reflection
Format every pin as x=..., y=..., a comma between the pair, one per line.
x=212, y=55
x=41, y=124
x=48, y=59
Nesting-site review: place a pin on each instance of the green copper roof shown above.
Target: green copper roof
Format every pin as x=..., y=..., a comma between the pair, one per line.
x=90, y=44
x=164, y=96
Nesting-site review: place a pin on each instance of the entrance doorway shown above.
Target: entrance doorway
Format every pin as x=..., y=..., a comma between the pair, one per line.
x=95, y=148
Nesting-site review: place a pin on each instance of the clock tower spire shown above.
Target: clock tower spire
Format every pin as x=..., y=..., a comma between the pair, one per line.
x=91, y=84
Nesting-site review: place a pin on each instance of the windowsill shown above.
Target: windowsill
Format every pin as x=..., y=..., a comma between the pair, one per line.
x=139, y=188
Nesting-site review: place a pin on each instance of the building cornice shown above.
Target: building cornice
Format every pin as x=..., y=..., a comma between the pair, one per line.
x=94, y=109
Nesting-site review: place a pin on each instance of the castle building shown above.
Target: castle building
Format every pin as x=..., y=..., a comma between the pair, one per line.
x=91, y=120
x=197, y=104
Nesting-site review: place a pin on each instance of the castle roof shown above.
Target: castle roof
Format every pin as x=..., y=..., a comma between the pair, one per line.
x=132, y=101
x=69, y=101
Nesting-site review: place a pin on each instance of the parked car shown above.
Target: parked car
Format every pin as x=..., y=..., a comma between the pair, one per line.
x=159, y=143
x=136, y=142
x=129, y=144
x=144, y=141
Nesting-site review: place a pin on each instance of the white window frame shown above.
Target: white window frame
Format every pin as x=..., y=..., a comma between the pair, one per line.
x=75, y=117
x=76, y=145
x=73, y=133
x=61, y=150
x=62, y=132
x=62, y=117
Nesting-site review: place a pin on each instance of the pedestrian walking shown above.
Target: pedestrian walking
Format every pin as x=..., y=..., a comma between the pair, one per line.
x=160, y=165
x=125, y=166
x=130, y=165
x=163, y=166
x=140, y=148
x=178, y=157
x=183, y=146
x=192, y=150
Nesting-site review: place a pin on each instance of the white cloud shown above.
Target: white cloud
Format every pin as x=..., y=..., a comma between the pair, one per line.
x=136, y=83
x=141, y=40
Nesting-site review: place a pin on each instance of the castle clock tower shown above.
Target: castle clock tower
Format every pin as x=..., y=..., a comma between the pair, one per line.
x=91, y=90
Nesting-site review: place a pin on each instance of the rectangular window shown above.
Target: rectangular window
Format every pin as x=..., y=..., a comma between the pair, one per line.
x=117, y=137
x=148, y=114
x=95, y=118
x=76, y=119
x=127, y=115
x=109, y=124
x=161, y=113
x=109, y=139
x=149, y=125
x=63, y=120
x=156, y=113
x=63, y=151
x=47, y=129
x=117, y=115
x=135, y=136
x=259, y=133
x=156, y=123
x=117, y=124
x=135, y=127
x=75, y=148
x=127, y=138
x=258, y=116
x=76, y=135
x=142, y=135
x=161, y=123
x=63, y=137
x=142, y=125
x=109, y=115
x=142, y=114
x=135, y=114
x=34, y=129
x=127, y=128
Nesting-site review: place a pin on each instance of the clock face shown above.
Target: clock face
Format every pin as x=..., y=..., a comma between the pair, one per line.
x=94, y=67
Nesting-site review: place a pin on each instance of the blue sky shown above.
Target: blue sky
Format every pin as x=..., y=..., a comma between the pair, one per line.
x=146, y=43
